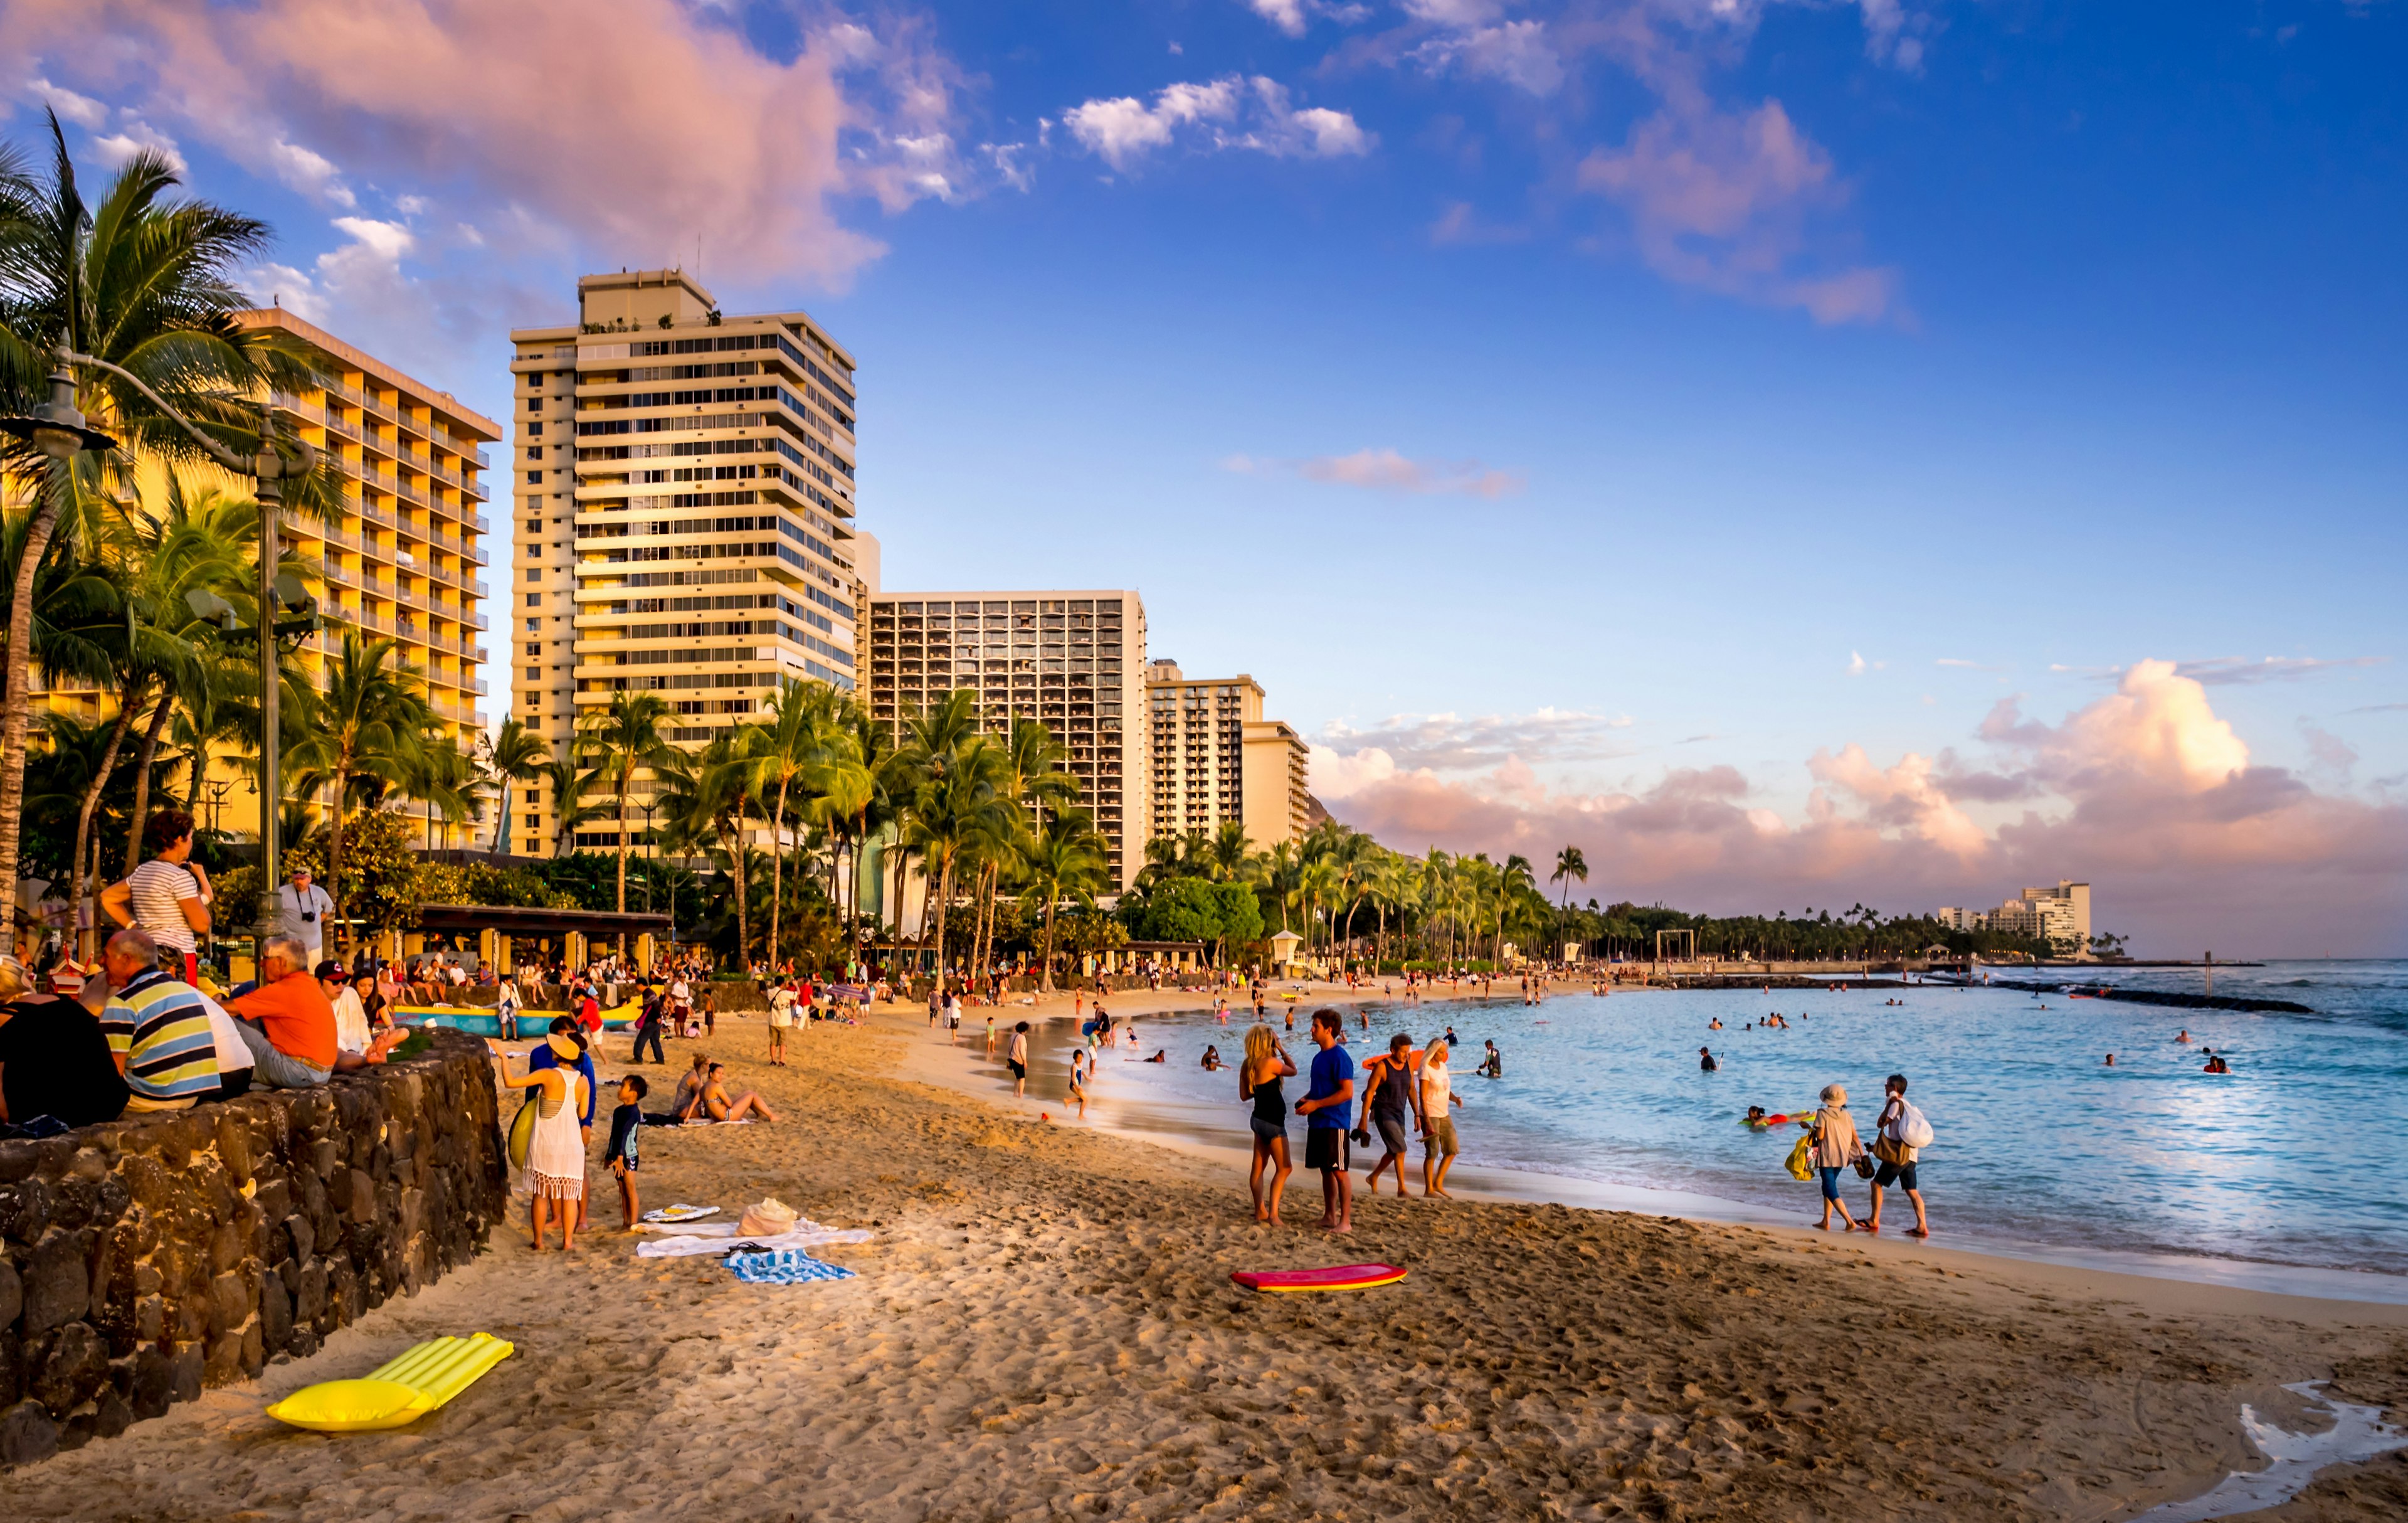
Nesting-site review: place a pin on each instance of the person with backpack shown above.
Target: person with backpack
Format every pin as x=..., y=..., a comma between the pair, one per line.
x=1898, y=1137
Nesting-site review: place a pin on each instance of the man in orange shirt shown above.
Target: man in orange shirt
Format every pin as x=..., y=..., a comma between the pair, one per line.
x=288, y=1023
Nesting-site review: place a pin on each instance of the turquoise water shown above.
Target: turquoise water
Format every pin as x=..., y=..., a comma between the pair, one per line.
x=2292, y=1158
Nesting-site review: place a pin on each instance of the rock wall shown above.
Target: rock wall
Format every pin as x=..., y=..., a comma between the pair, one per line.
x=147, y=1258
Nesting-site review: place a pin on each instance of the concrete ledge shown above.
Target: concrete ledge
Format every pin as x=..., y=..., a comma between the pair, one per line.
x=148, y=1257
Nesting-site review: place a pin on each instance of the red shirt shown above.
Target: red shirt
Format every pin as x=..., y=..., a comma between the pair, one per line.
x=589, y=1013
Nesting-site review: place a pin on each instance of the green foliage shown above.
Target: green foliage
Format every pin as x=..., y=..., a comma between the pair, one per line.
x=1084, y=930
x=482, y=883
x=379, y=869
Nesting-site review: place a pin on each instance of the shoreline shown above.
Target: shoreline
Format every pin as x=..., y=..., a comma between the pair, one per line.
x=1043, y=1325
x=1182, y=1127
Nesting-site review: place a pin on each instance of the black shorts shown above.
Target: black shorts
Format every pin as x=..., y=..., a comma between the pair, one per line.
x=1895, y=1173
x=1325, y=1147
x=1018, y=1070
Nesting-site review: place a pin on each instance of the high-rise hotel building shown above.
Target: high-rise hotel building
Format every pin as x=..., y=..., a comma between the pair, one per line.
x=400, y=561
x=1216, y=758
x=684, y=484
x=1074, y=660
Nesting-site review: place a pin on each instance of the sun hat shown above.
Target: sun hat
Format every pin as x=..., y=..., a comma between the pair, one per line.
x=566, y=1048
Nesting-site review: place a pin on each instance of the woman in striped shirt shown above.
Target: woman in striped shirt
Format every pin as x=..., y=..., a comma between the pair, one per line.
x=168, y=896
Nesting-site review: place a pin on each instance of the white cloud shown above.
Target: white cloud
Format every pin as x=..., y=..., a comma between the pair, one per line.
x=312, y=173
x=132, y=138
x=1520, y=53
x=2233, y=671
x=1287, y=15
x=1457, y=743
x=1228, y=112
x=1385, y=471
x=387, y=241
x=83, y=110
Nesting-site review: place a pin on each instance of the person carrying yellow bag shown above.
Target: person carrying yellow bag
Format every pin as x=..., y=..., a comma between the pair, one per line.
x=1801, y=1161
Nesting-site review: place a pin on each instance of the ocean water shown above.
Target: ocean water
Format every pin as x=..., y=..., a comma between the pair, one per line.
x=2295, y=1158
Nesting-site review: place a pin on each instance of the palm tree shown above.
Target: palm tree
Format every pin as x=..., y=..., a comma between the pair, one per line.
x=143, y=281
x=569, y=785
x=1570, y=864
x=1065, y=860
x=1230, y=849
x=194, y=546
x=518, y=755
x=794, y=745
x=951, y=811
x=366, y=735
x=618, y=740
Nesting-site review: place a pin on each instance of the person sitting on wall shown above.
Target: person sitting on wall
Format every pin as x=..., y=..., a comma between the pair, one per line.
x=158, y=1028
x=289, y=1023
x=54, y=1058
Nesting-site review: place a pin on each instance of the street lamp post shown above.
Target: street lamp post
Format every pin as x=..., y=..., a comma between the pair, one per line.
x=58, y=430
x=651, y=856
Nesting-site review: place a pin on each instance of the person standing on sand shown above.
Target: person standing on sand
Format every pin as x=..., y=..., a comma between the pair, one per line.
x=1389, y=1100
x=781, y=1017
x=1079, y=1079
x=1328, y=1107
x=1835, y=1145
x=1437, y=1092
x=1018, y=1058
x=1898, y=1166
x=1259, y=1081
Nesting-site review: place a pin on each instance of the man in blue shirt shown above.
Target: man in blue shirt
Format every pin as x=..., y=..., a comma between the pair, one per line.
x=1328, y=1107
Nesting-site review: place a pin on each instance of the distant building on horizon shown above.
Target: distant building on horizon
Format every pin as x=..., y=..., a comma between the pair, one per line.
x=685, y=507
x=2061, y=916
x=1216, y=758
x=1074, y=660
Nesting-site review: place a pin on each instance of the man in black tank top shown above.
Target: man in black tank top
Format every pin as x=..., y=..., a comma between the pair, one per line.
x=1389, y=1101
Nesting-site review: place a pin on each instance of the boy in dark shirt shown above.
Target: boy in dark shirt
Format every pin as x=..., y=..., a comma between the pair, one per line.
x=627, y=1126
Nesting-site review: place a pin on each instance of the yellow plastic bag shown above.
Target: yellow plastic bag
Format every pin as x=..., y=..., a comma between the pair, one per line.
x=1799, y=1164
x=351, y=1406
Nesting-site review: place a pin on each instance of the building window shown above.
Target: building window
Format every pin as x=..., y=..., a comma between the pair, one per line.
x=533, y=476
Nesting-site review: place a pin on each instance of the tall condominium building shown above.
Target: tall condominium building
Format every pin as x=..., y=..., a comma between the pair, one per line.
x=1216, y=758
x=402, y=560
x=1075, y=660
x=684, y=521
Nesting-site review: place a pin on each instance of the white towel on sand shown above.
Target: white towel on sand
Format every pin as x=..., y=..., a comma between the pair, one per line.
x=692, y=1243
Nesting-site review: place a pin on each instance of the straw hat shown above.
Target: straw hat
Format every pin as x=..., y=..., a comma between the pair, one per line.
x=566, y=1048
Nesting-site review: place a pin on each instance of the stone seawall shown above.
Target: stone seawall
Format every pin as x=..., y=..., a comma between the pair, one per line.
x=151, y=1256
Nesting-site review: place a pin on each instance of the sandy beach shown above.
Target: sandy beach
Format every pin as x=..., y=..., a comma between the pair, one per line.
x=1043, y=1327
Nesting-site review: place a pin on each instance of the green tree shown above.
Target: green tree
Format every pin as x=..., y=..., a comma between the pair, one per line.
x=1066, y=860
x=144, y=280
x=518, y=756
x=618, y=740
x=368, y=728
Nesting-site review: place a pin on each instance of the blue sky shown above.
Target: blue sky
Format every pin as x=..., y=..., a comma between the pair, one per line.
x=1550, y=405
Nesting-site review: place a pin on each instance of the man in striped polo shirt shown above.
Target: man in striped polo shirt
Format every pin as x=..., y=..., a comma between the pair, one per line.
x=158, y=1029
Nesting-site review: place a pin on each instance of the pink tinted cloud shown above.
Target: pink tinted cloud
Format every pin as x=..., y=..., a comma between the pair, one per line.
x=2146, y=792
x=632, y=124
x=1722, y=200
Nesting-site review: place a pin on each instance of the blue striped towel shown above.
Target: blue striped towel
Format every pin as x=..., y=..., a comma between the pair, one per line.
x=790, y=1266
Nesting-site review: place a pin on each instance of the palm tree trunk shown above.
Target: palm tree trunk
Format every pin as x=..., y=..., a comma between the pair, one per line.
x=777, y=868
x=1045, y=974
x=944, y=902
x=127, y=702
x=626, y=768
x=17, y=701
x=336, y=923
x=158, y=714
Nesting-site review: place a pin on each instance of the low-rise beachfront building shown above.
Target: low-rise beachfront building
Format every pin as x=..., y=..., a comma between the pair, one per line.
x=1071, y=659
x=684, y=525
x=2060, y=915
x=1215, y=758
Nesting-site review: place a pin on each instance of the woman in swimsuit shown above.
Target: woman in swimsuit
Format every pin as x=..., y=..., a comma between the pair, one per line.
x=1259, y=1080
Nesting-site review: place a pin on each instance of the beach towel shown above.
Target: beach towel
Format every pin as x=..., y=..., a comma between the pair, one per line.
x=791, y=1267
x=693, y=1247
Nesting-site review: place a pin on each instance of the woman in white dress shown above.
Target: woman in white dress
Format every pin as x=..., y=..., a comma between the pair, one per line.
x=556, y=1154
